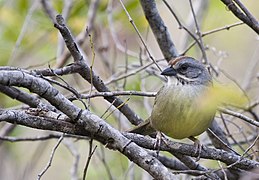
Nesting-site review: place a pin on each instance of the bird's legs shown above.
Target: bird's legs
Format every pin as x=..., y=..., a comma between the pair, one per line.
x=158, y=142
x=198, y=147
x=159, y=138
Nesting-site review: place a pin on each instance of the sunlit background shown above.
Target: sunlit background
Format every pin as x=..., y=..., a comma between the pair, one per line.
x=29, y=40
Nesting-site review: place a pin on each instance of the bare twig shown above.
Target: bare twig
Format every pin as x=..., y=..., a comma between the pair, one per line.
x=115, y=93
x=51, y=158
x=240, y=116
x=85, y=71
x=115, y=38
x=159, y=29
x=246, y=18
x=49, y=10
x=199, y=34
x=40, y=138
x=139, y=35
x=90, y=154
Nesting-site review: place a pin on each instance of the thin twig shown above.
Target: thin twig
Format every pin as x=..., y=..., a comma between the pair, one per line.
x=115, y=93
x=51, y=158
x=139, y=35
x=199, y=34
x=90, y=155
x=240, y=116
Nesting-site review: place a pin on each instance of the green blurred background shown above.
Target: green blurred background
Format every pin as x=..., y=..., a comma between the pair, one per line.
x=29, y=40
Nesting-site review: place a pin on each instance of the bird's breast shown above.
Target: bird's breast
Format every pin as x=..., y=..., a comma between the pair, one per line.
x=178, y=113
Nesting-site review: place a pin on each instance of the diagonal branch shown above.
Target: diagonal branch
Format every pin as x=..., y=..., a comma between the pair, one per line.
x=246, y=18
x=89, y=75
x=159, y=29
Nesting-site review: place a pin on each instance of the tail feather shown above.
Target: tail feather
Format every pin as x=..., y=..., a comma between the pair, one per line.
x=143, y=128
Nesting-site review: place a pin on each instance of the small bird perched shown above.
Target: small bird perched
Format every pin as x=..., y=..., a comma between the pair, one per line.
x=179, y=110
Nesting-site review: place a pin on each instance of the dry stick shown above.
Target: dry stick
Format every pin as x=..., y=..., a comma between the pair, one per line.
x=211, y=32
x=241, y=157
x=222, y=142
x=172, y=147
x=107, y=109
x=200, y=8
x=80, y=39
x=51, y=158
x=199, y=34
x=60, y=44
x=229, y=134
x=41, y=138
x=181, y=26
x=85, y=71
x=126, y=65
x=131, y=150
x=90, y=154
x=115, y=93
x=141, y=68
x=245, y=10
x=193, y=165
x=227, y=27
x=240, y=116
x=159, y=29
x=91, y=67
x=49, y=10
x=223, y=171
x=5, y=130
x=114, y=36
x=139, y=35
x=67, y=87
x=125, y=102
x=236, y=11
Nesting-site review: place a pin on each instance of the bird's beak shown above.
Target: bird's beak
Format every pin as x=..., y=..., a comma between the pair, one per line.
x=170, y=71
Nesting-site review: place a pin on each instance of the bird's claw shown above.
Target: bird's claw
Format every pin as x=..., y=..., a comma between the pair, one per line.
x=198, y=147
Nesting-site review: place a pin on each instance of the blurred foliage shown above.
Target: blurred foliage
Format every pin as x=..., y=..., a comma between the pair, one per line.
x=38, y=49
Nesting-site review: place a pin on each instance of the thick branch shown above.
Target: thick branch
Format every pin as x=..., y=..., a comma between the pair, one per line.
x=91, y=123
x=189, y=150
x=87, y=73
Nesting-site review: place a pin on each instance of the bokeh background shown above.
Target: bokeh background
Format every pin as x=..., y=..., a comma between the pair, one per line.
x=29, y=40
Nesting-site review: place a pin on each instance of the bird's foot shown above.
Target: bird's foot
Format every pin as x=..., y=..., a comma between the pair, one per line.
x=159, y=138
x=198, y=147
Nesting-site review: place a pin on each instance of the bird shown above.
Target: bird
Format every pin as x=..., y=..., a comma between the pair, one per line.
x=180, y=108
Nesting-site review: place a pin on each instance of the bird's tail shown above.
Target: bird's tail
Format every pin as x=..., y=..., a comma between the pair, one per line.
x=143, y=128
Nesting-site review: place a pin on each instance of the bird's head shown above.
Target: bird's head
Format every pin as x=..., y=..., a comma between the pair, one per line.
x=187, y=71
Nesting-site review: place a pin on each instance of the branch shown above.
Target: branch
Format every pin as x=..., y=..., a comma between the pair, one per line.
x=115, y=93
x=89, y=75
x=189, y=150
x=21, y=96
x=240, y=116
x=159, y=29
x=90, y=124
x=246, y=18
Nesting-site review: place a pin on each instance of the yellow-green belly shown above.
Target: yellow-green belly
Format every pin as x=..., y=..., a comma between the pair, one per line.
x=178, y=112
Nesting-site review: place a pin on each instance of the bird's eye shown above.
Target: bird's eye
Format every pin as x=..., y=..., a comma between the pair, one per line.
x=183, y=68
